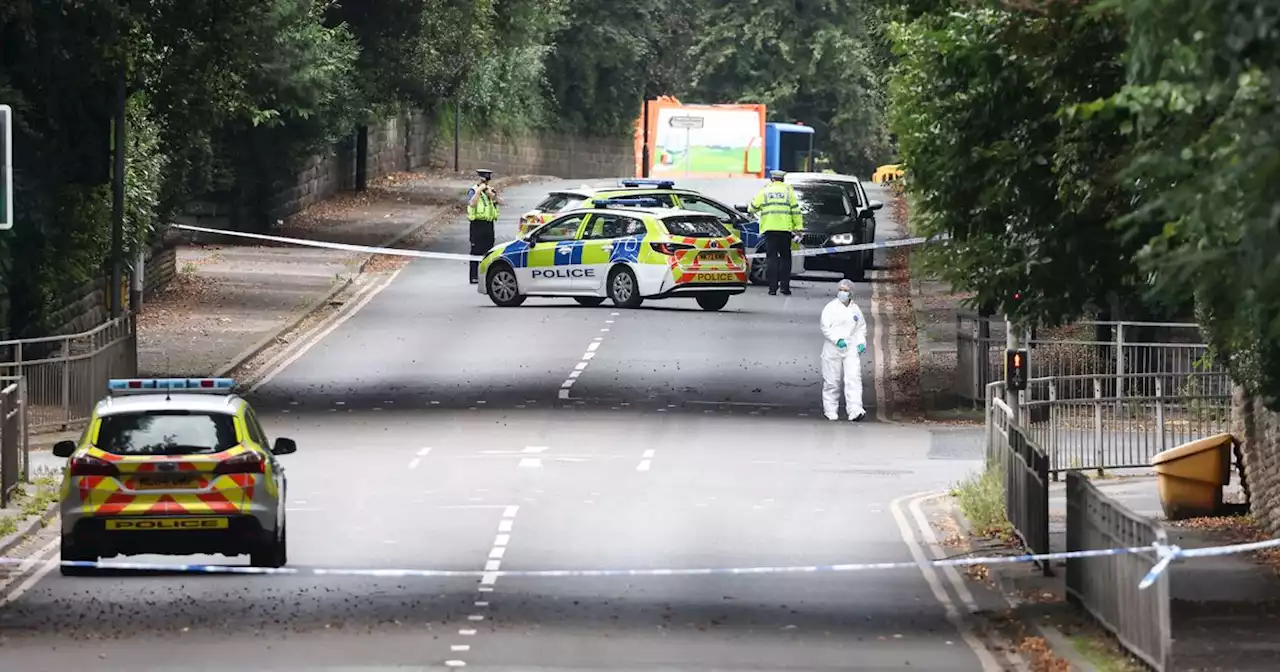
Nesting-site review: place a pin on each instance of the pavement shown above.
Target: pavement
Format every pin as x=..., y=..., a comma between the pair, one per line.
x=432, y=434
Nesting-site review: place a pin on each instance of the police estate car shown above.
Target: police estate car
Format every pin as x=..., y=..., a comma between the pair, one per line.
x=625, y=250
x=665, y=193
x=173, y=467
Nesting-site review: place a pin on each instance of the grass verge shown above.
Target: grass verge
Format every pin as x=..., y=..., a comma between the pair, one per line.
x=980, y=497
x=31, y=500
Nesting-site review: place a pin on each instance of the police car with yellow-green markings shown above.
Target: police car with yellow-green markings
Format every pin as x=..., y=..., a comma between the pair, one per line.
x=624, y=250
x=665, y=192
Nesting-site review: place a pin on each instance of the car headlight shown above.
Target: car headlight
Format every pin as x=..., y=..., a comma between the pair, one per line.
x=842, y=239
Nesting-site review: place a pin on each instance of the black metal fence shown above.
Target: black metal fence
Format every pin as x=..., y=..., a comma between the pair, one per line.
x=1107, y=587
x=1026, y=487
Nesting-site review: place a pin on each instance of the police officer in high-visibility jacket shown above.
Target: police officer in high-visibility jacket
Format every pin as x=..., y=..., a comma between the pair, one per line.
x=482, y=213
x=780, y=222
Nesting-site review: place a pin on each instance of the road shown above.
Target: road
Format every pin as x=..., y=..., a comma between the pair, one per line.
x=433, y=434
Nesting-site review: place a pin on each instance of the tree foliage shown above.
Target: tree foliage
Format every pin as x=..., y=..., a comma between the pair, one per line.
x=983, y=108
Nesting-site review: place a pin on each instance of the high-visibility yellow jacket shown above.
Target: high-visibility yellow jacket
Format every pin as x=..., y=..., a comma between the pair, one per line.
x=778, y=208
x=480, y=206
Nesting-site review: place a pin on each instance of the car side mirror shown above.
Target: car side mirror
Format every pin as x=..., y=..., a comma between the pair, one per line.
x=741, y=208
x=875, y=205
x=64, y=448
x=284, y=446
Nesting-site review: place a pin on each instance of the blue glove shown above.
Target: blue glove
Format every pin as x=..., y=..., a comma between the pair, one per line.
x=840, y=344
x=861, y=348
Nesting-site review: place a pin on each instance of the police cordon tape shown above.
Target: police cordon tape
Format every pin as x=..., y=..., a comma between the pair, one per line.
x=1165, y=554
x=418, y=254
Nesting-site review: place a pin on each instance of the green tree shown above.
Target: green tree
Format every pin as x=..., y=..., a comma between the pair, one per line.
x=984, y=104
x=815, y=66
x=1205, y=91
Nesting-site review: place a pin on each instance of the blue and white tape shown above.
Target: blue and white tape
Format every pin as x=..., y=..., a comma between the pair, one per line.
x=1165, y=555
x=418, y=254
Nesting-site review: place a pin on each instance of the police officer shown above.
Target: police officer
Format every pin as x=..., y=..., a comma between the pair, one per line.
x=780, y=222
x=482, y=213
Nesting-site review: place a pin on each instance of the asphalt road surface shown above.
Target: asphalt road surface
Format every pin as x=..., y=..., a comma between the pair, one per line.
x=433, y=434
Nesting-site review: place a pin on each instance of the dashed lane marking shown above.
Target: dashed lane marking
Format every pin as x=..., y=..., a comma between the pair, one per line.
x=494, y=562
x=418, y=458
x=581, y=366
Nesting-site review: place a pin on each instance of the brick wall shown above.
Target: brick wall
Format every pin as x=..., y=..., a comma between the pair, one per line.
x=1259, y=432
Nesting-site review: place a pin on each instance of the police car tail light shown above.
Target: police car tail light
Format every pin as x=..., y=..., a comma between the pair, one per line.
x=88, y=465
x=669, y=248
x=245, y=463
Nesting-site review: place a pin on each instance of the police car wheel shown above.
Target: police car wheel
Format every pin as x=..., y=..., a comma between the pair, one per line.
x=502, y=287
x=624, y=290
x=712, y=301
x=589, y=301
x=272, y=554
x=70, y=554
x=758, y=270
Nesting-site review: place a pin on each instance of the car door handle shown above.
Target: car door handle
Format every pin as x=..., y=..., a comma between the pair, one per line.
x=607, y=248
x=563, y=250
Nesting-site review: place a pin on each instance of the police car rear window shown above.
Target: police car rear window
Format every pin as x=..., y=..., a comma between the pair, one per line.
x=558, y=202
x=695, y=227
x=166, y=433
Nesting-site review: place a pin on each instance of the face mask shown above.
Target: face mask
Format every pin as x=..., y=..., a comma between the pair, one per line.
x=843, y=296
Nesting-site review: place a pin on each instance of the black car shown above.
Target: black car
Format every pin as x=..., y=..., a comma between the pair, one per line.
x=829, y=221
x=863, y=207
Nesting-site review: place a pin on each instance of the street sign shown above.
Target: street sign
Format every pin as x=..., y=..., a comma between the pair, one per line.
x=6, y=168
x=686, y=122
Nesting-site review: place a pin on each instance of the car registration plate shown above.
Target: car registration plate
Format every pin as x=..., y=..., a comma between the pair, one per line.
x=166, y=524
x=717, y=255
x=163, y=482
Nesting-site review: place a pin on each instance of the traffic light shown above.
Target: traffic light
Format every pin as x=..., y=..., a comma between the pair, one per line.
x=6, y=168
x=1015, y=369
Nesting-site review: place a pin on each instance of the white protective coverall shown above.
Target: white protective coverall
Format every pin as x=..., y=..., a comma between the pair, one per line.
x=842, y=365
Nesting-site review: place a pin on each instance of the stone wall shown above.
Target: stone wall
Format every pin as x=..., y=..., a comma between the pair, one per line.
x=1259, y=431
x=87, y=307
x=554, y=154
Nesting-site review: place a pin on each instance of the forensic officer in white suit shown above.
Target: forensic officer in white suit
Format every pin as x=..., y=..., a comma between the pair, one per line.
x=844, y=333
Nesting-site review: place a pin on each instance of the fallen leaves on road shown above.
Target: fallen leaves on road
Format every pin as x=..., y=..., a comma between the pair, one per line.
x=978, y=573
x=183, y=296
x=1042, y=658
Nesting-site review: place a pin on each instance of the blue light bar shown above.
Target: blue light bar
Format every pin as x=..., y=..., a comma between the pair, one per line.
x=661, y=184
x=119, y=386
x=629, y=202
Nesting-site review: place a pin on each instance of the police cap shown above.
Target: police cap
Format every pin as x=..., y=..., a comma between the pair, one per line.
x=777, y=175
x=485, y=174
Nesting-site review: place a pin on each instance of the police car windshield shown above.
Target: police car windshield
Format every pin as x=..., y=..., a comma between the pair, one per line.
x=166, y=433
x=559, y=201
x=822, y=199
x=695, y=227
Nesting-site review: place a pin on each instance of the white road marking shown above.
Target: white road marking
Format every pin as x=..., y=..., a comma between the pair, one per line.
x=530, y=462
x=455, y=663
x=486, y=581
x=647, y=453
x=502, y=540
x=492, y=565
x=27, y=566
x=481, y=603
x=475, y=617
x=580, y=366
x=505, y=526
x=644, y=465
x=467, y=632
x=322, y=330
x=414, y=462
x=605, y=329
x=423, y=452
x=459, y=647
x=988, y=661
x=511, y=511
x=593, y=347
x=535, y=449
x=498, y=552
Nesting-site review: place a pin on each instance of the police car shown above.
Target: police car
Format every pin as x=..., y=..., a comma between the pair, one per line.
x=624, y=250
x=173, y=467
x=667, y=195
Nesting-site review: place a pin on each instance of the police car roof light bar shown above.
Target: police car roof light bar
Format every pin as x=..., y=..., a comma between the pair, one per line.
x=126, y=386
x=661, y=184
x=629, y=202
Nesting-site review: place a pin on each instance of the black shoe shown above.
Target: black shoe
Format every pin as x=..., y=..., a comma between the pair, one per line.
x=474, y=281
x=786, y=292
x=773, y=292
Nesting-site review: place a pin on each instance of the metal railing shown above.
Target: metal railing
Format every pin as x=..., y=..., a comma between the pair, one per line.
x=1103, y=431
x=14, y=456
x=1126, y=360
x=1107, y=587
x=65, y=375
x=1026, y=491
